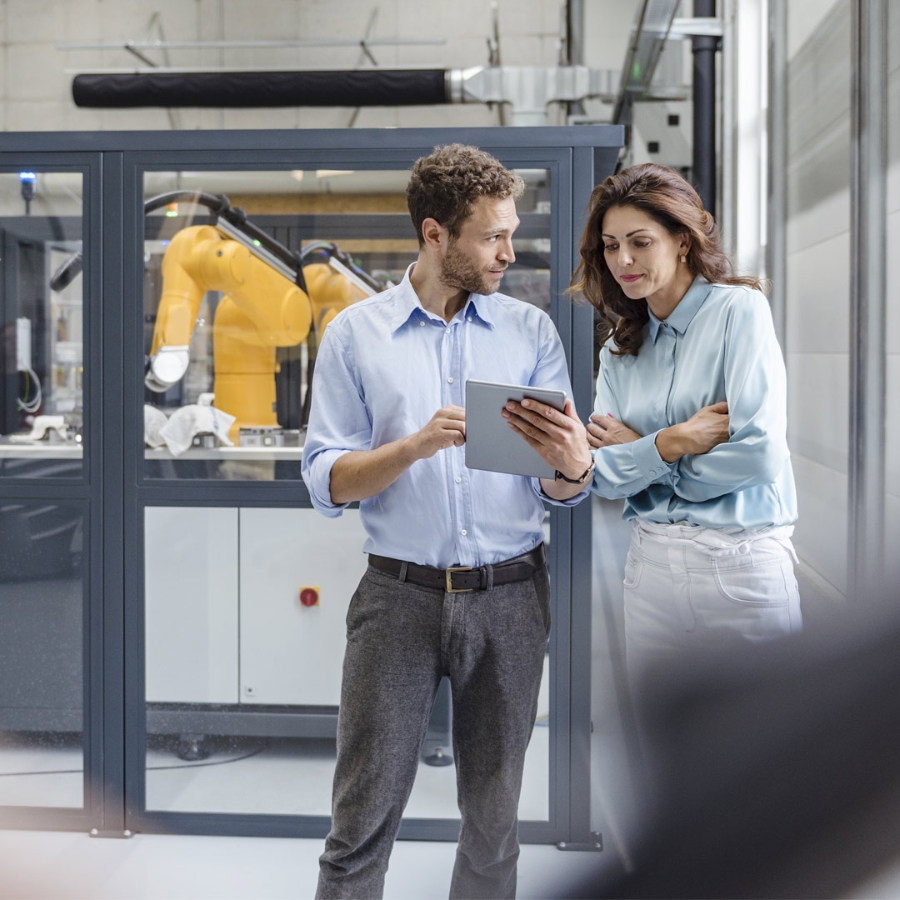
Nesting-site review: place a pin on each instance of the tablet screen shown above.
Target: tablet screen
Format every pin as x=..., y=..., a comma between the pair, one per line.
x=490, y=443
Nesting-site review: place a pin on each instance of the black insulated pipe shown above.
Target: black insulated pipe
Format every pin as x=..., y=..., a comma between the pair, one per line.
x=372, y=87
x=704, y=151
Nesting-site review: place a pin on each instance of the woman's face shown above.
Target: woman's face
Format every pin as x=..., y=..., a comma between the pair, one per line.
x=645, y=259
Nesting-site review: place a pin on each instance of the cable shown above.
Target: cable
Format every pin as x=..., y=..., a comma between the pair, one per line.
x=221, y=762
x=32, y=406
x=196, y=765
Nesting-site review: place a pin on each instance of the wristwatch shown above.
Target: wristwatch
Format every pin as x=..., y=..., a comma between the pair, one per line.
x=581, y=480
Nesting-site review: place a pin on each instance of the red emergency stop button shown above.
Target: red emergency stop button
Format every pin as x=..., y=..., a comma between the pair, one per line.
x=309, y=596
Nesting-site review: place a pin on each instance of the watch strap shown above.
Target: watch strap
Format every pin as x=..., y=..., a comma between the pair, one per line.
x=580, y=480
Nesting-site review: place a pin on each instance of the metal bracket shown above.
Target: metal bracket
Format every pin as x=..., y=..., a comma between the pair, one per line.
x=121, y=835
x=699, y=27
x=595, y=845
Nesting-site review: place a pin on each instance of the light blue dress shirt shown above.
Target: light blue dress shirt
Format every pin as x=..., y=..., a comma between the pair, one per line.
x=384, y=368
x=718, y=344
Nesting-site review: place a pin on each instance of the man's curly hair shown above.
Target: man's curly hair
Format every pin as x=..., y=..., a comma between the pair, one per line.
x=445, y=186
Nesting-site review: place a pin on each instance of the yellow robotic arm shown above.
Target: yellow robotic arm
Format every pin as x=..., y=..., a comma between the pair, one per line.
x=261, y=309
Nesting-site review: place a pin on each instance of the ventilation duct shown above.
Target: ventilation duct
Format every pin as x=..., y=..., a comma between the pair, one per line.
x=397, y=87
x=528, y=90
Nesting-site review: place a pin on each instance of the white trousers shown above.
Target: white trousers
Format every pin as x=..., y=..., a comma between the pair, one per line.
x=691, y=590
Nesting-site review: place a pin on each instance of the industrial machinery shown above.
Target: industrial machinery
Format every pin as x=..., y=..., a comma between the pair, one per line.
x=273, y=297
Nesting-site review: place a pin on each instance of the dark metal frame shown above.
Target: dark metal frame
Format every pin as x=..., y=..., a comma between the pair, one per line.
x=116, y=491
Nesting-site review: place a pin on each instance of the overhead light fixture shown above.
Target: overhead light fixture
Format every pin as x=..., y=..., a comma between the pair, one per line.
x=332, y=173
x=297, y=174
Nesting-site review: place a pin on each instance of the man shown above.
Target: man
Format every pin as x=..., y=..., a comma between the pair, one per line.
x=387, y=428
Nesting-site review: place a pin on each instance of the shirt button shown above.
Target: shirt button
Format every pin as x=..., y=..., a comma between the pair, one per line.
x=421, y=324
x=469, y=319
x=446, y=331
x=464, y=532
x=450, y=380
x=458, y=480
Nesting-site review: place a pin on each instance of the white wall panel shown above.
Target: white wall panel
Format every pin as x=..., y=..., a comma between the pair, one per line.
x=273, y=19
x=892, y=325
x=824, y=220
x=818, y=297
x=804, y=17
x=28, y=22
x=892, y=429
x=34, y=71
x=891, y=543
x=892, y=337
x=122, y=20
x=820, y=534
x=818, y=407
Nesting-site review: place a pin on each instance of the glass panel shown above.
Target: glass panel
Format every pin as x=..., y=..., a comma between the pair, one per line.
x=230, y=355
x=41, y=310
x=244, y=633
x=245, y=608
x=42, y=591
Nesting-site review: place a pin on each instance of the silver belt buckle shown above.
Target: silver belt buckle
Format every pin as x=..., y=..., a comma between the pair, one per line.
x=448, y=573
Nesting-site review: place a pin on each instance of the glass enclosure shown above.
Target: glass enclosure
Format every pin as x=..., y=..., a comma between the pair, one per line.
x=42, y=352
x=42, y=593
x=172, y=610
x=245, y=607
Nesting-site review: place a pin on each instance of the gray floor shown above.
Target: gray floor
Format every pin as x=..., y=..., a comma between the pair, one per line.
x=70, y=865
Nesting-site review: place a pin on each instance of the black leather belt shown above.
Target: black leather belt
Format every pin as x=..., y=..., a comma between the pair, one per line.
x=460, y=579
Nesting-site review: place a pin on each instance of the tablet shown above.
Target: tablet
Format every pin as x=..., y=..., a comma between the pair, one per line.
x=490, y=443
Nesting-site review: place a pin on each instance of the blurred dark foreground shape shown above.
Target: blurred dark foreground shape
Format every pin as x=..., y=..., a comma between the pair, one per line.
x=776, y=771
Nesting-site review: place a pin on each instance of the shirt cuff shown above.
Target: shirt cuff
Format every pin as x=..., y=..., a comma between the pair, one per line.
x=572, y=501
x=647, y=459
x=318, y=482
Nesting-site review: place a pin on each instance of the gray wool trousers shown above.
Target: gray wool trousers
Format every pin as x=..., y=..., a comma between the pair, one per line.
x=401, y=639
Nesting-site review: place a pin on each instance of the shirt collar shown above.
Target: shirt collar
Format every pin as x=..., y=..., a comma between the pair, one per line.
x=407, y=305
x=680, y=317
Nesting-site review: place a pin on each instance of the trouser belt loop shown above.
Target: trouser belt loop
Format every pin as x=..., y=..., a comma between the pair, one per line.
x=404, y=568
x=487, y=576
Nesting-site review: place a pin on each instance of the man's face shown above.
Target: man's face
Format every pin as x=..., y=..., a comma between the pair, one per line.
x=476, y=260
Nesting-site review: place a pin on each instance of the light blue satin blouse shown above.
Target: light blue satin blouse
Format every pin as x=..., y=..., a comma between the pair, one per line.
x=718, y=344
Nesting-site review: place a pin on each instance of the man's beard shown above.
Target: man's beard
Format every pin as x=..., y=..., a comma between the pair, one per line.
x=457, y=271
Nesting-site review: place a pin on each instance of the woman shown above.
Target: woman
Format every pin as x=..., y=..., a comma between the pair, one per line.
x=689, y=423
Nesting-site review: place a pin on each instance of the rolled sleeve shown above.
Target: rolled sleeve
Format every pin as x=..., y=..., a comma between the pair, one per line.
x=317, y=475
x=338, y=420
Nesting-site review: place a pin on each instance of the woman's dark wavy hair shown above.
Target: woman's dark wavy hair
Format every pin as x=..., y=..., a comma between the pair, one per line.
x=669, y=199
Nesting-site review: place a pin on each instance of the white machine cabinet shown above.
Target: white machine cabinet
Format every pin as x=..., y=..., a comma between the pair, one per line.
x=292, y=653
x=248, y=606
x=191, y=611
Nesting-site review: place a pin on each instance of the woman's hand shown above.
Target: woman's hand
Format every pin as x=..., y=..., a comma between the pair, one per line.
x=707, y=428
x=604, y=431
